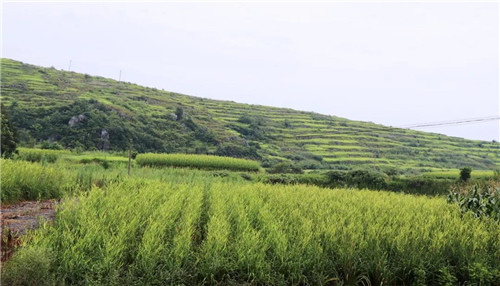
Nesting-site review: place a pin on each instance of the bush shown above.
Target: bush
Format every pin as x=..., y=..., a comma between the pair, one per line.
x=357, y=179
x=420, y=185
x=465, y=174
x=336, y=179
x=292, y=179
x=51, y=146
x=103, y=162
x=367, y=179
x=237, y=151
x=284, y=168
x=31, y=266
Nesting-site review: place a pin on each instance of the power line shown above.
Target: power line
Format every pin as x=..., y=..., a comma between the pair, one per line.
x=450, y=121
x=453, y=122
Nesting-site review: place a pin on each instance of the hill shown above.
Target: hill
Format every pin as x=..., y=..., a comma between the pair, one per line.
x=95, y=113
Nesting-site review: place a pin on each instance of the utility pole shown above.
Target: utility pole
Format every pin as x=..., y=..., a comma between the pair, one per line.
x=69, y=68
x=129, y=157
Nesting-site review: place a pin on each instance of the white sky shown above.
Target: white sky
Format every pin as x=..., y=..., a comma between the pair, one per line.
x=389, y=63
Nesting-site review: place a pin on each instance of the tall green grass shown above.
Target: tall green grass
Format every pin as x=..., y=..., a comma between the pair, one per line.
x=205, y=231
x=196, y=161
x=32, y=181
x=40, y=155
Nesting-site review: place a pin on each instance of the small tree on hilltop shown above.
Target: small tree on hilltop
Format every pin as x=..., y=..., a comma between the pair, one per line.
x=465, y=174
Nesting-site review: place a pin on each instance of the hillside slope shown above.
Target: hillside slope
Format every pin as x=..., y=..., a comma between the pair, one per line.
x=88, y=112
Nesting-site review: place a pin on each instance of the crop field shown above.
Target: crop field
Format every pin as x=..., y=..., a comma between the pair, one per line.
x=40, y=155
x=32, y=181
x=196, y=161
x=51, y=156
x=204, y=230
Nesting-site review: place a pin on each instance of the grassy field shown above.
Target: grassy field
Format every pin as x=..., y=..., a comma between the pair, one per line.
x=197, y=161
x=200, y=229
x=43, y=100
x=32, y=181
x=215, y=227
x=433, y=182
x=40, y=155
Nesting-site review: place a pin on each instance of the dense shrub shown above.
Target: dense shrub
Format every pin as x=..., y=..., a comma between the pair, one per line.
x=292, y=179
x=465, y=174
x=366, y=179
x=357, y=179
x=51, y=146
x=8, y=134
x=103, y=162
x=237, y=151
x=284, y=168
x=420, y=185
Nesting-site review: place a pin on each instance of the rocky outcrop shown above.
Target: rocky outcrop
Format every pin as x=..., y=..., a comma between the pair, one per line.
x=104, y=142
x=76, y=119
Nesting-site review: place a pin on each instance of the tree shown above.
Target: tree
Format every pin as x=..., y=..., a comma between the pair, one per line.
x=8, y=135
x=180, y=113
x=465, y=174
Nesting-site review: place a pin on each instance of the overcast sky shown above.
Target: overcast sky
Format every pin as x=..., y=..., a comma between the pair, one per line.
x=389, y=63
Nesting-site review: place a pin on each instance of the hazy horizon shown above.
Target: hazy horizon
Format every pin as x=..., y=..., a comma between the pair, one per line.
x=389, y=63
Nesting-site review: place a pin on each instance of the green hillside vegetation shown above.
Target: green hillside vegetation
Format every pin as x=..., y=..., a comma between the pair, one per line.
x=83, y=112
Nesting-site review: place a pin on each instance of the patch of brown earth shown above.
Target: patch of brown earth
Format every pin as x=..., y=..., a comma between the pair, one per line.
x=17, y=219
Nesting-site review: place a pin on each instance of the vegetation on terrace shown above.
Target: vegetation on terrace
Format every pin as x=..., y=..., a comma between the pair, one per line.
x=93, y=113
x=196, y=161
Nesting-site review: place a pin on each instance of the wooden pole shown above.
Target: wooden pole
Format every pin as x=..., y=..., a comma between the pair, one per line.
x=129, y=157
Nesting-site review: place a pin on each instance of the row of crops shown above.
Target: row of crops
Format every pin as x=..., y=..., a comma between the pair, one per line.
x=202, y=230
x=149, y=159
x=196, y=161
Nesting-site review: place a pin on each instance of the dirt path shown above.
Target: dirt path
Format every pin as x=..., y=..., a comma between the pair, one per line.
x=18, y=218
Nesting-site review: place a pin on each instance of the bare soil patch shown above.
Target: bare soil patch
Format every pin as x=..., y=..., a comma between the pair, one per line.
x=17, y=219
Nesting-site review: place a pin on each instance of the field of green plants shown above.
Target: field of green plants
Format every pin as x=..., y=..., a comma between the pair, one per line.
x=32, y=181
x=204, y=227
x=455, y=174
x=196, y=161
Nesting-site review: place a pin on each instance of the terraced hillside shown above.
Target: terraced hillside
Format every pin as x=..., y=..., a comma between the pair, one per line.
x=82, y=111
